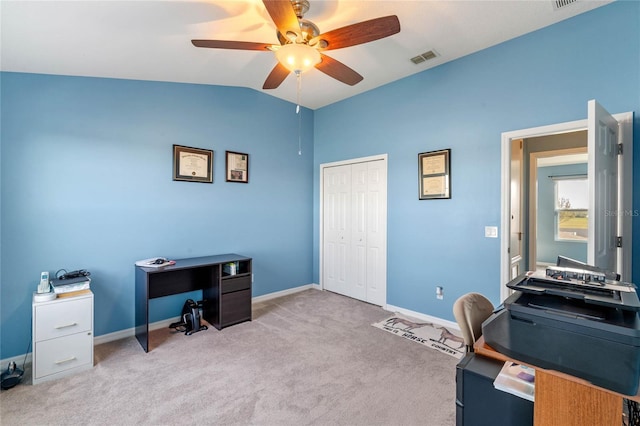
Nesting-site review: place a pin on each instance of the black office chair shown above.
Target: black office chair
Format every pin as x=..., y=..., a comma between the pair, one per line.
x=470, y=311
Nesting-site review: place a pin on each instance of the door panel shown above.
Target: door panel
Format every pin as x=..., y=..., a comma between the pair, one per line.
x=603, y=178
x=337, y=207
x=376, y=235
x=517, y=234
x=358, y=287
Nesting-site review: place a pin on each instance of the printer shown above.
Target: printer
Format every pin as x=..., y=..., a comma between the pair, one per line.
x=574, y=321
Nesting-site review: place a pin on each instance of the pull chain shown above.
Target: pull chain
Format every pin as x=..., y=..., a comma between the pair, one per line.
x=299, y=81
x=299, y=89
x=299, y=133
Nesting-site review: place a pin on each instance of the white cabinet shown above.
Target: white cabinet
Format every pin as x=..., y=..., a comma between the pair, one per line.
x=62, y=336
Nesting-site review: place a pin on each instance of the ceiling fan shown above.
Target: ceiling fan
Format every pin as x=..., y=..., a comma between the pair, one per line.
x=301, y=43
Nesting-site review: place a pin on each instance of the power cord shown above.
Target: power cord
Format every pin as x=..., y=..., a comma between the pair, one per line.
x=24, y=361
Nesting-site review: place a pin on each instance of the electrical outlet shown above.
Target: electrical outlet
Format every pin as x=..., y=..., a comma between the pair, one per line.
x=439, y=292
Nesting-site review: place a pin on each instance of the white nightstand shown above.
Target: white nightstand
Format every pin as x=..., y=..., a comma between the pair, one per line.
x=62, y=336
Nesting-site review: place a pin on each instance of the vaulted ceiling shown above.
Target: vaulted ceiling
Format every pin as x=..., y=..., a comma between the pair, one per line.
x=151, y=40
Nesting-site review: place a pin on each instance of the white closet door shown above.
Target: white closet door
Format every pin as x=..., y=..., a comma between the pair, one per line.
x=355, y=230
x=376, y=234
x=337, y=225
x=357, y=287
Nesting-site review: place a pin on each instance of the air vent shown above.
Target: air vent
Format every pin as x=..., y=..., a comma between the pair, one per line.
x=424, y=57
x=559, y=4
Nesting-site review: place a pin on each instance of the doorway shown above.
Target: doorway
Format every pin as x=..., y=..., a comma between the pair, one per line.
x=624, y=138
x=353, y=228
x=558, y=204
x=527, y=154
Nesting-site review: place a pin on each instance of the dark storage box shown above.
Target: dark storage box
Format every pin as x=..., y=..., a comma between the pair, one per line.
x=478, y=403
x=596, y=343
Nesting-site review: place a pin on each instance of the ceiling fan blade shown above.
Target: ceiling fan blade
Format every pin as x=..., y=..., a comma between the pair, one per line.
x=277, y=76
x=283, y=15
x=362, y=32
x=228, y=44
x=339, y=71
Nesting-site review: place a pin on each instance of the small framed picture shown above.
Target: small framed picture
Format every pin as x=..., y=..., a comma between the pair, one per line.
x=192, y=164
x=237, y=167
x=434, y=175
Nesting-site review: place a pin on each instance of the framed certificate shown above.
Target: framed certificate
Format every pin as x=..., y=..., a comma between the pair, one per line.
x=434, y=175
x=192, y=164
x=237, y=167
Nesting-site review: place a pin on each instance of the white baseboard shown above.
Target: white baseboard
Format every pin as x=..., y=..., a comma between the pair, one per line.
x=286, y=292
x=129, y=332
x=424, y=317
x=122, y=334
x=20, y=361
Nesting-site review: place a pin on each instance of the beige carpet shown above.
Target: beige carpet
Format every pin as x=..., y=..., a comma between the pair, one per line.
x=311, y=358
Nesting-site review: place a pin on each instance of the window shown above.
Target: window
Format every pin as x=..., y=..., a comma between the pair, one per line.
x=572, y=208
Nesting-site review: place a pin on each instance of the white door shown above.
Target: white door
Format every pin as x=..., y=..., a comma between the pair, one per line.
x=359, y=197
x=354, y=230
x=516, y=228
x=376, y=235
x=337, y=225
x=602, y=146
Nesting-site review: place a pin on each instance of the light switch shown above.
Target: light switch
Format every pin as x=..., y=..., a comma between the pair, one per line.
x=491, y=231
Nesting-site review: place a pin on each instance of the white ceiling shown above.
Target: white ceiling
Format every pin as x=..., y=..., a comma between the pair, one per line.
x=150, y=40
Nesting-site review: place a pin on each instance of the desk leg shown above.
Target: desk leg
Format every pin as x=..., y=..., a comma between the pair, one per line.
x=142, y=308
x=561, y=402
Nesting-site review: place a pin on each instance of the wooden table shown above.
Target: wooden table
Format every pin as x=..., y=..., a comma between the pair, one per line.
x=565, y=400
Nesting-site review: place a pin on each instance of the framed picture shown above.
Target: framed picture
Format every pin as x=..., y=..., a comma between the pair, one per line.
x=434, y=175
x=237, y=167
x=192, y=164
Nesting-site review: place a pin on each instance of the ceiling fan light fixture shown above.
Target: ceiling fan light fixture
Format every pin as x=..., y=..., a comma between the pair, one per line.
x=298, y=57
x=300, y=43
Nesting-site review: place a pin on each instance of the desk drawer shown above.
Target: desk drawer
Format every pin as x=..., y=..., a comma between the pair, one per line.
x=230, y=285
x=235, y=308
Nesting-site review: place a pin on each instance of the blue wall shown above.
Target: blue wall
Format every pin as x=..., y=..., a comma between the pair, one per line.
x=542, y=78
x=86, y=169
x=87, y=183
x=547, y=247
